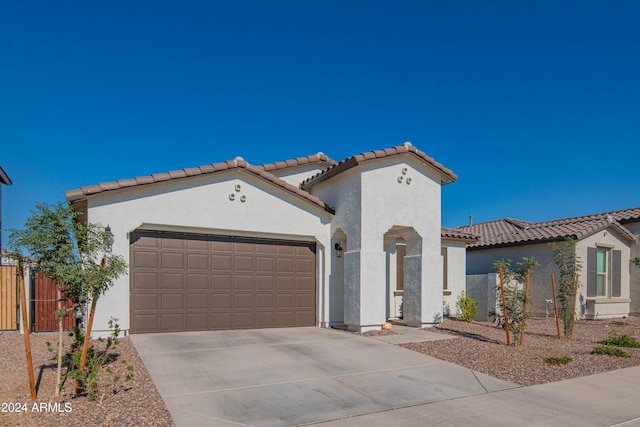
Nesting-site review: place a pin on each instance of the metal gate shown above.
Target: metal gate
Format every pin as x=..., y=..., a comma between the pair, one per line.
x=8, y=297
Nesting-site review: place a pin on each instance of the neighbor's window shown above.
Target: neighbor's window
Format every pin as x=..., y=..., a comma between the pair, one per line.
x=602, y=256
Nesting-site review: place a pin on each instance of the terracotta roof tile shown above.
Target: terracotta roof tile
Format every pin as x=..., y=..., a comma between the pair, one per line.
x=82, y=193
x=510, y=231
x=453, y=234
x=319, y=158
x=447, y=175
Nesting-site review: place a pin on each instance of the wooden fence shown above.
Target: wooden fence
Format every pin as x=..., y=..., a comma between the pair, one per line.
x=45, y=304
x=8, y=297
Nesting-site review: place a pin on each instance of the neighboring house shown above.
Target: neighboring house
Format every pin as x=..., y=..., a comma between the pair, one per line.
x=4, y=180
x=300, y=242
x=604, y=246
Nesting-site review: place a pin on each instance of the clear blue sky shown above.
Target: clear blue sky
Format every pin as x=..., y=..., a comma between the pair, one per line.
x=534, y=104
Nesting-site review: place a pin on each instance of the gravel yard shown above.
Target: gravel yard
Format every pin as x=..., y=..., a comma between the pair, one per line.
x=482, y=347
x=479, y=346
x=138, y=403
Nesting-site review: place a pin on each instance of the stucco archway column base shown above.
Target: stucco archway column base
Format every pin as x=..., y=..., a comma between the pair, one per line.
x=422, y=302
x=364, y=290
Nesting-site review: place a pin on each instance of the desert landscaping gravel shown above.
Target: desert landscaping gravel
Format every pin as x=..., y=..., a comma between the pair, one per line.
x=481, y=346
x=478, y=346
x=137, y=403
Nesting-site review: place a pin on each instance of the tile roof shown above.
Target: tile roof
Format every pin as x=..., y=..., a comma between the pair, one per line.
x=4, y=178
x=82, y=193
x=453, y=234
x=319, y=158
x=510, y=231
x=447, y=175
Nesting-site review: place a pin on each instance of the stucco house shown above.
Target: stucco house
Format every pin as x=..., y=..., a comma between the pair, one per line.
x=606, y=243
x=301, y=242
x=4, y=180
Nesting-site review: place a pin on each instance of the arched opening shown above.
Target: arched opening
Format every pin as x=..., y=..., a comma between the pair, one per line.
x=403, y=249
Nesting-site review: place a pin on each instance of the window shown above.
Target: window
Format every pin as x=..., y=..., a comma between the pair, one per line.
x=445, y=267
x=604, y=267
x=601, y=272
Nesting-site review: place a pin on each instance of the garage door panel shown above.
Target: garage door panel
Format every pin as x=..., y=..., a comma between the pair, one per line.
x=243, y=320
x=172, y=281
x=197, y=281
x=285, y=265
x=146, y=280
x=221, y=282
x=145, y=259
x=264, y=301
x=243, y=282
x=264, y=283
x=243, y=264
x=197, y=321
x=172, y=322
x=173, y=260
x=172, y=302
x=198, y=261
x=186, y=282
x=221, y=262
x=221, y=301
x=221, y=321
x=145, y=302
x=143, y=323
x=197, y=301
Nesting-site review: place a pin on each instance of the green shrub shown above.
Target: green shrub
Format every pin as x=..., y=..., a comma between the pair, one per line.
x=558, y=360
x=610, y=351
x=620, y=340
x=467, y=307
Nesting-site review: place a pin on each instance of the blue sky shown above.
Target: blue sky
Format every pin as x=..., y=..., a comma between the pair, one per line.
x=534, y=104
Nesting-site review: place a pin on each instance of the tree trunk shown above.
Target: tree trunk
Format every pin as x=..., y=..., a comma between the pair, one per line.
x=60, y=334
x=87, y=335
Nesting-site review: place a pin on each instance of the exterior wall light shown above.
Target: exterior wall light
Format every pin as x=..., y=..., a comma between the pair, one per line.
x=339, y=250
x=109, y=236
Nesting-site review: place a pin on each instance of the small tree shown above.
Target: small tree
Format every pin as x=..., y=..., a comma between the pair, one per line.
x=516, y=296
x=569, y=263
x=73, y=253
x=636, y=261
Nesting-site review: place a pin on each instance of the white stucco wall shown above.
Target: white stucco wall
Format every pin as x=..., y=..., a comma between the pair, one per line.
x=202, y=205
x=634, y=271
x=370, y=201
x=456, y=269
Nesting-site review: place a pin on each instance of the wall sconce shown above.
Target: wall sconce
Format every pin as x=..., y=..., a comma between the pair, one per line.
x=109, y=237
x=339, y=250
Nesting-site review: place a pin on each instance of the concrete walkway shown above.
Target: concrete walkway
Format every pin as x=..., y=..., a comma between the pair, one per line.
x=294, y=376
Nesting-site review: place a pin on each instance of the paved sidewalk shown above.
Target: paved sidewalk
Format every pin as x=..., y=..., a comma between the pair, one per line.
x=407, y=334
x=607, y=399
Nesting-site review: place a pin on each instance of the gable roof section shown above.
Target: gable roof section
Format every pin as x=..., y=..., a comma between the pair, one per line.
x=4, y=178
x=453, y=234
x=447, y=176
x=510, y=231
x=81, y=194
x=320, y=158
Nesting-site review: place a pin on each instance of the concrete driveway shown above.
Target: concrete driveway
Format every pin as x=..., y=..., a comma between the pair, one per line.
x=293, y=376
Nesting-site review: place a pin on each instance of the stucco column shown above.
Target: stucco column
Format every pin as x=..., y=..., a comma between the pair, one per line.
x=365, y=290
x=422, y=302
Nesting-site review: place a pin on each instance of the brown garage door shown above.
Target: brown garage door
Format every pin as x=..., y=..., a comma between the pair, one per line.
x=183, y=282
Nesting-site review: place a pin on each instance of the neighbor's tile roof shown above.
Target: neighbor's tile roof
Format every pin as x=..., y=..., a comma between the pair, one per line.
x=447, y=175
x=4, y=178
x=453, y=234
x=82, y=193
x=319, y=158
x=510, y=231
